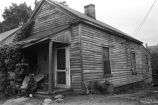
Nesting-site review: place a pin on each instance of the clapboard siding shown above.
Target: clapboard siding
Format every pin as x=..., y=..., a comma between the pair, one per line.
x=146, y=69
x=75, y=59
x=86, y=45
x=47, y=20
x=93, y=40
x=50, y=17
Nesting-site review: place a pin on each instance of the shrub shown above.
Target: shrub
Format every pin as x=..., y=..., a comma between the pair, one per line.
x=24, y=32
x=96, y=86
x=10, y=55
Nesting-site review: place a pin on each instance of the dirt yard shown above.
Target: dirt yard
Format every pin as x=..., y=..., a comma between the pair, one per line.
x=142, y=97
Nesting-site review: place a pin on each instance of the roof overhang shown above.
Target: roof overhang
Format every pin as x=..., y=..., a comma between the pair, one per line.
x=87, y=20
x=55, y=37
x=110, y=31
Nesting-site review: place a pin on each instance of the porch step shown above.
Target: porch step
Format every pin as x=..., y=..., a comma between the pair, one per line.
x=46, y=94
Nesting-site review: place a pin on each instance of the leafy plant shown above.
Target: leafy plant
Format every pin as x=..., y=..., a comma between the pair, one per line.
x=10, y=55
x=24, y=32
x=14, y=16
x=96, y=86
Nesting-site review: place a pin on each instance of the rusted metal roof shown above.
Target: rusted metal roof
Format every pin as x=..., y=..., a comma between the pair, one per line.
x=35, y=39
x=82, y=17
x=7, y=33
x=97, y=22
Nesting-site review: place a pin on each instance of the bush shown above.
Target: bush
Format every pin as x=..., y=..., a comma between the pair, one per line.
x=10, y=55
x=24, y=32
x=95, y=86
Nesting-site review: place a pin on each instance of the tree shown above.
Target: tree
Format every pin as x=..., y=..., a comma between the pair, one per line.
x=60, y=2
x=63, y=3
x=3, y=27
x=15, y=15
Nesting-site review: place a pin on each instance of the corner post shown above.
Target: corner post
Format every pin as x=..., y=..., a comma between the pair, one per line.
x=50, y=79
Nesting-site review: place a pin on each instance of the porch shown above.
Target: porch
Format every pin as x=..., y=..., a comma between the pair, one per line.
x=51, y=60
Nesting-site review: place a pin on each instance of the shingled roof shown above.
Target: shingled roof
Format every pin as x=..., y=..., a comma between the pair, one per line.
x=7, y=33
x=97, y=22
x=8, y=36
x=82, y=17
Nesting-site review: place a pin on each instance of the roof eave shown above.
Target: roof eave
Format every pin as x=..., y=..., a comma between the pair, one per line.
x=100, y=26
x=110, y=30
x=87, y=21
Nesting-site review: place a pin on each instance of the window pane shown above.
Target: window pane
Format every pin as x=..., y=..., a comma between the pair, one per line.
x=61, y=77
x=106, y=53
x=146, y=59
x=146, y=62
x=133, y=61
x=107, y=69
x=61, y=59
x=106, y=61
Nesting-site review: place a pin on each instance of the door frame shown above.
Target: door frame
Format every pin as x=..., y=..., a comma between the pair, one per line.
x=68, y=80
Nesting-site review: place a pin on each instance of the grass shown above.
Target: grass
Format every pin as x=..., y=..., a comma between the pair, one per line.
x=145, y=96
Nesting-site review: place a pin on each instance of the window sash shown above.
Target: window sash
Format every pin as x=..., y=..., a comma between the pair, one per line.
x=106, y=53
x=107, y=69
x=133, y=61
x=106, y=61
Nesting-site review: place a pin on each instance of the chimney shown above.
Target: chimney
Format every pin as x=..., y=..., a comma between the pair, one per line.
x=90, y=10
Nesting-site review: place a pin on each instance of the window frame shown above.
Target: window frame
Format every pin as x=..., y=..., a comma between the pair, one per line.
x=146, y=61
x=133, y=62
x=104, y=59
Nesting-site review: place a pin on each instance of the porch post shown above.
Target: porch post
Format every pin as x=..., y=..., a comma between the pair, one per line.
x=50, y=81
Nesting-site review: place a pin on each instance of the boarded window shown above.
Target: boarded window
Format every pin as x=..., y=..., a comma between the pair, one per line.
x=106, y=61
x=133, y=62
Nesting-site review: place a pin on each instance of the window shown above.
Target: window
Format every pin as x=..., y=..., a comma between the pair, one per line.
x=61, y=59
x=133, y=63
x=146, y=62
x=106, y=61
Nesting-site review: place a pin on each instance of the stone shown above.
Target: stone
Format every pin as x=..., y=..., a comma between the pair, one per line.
x=59, y=100
x=30, y=95
x=59, y=96
x=47, y=101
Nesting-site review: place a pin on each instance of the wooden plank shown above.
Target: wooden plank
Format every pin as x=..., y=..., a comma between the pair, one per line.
x=50, y=81
x=92, y=40
x=81, y=54
x=75, y=59
x=25, y=82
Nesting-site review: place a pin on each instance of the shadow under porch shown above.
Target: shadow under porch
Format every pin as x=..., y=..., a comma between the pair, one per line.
x=42, y=59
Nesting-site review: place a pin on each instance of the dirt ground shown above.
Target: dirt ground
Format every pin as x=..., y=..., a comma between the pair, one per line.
x=141, y=97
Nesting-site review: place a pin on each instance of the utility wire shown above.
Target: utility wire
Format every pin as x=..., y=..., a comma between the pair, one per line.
x=144, y=19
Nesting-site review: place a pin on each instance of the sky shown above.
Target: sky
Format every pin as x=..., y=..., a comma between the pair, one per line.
x=125, y=15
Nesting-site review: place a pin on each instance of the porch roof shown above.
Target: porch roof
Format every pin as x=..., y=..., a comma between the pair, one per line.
x=36, y=39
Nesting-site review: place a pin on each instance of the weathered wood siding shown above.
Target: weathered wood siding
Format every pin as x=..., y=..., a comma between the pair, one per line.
x=48, y=19
x=146, y=64
x=75, y=59
x=93, y=40
x=86, y=49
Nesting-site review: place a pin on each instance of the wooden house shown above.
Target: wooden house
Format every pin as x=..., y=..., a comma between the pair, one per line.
x=71, y=48
x=154, y=61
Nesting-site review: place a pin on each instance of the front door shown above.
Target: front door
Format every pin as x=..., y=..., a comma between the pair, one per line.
x=62, y=74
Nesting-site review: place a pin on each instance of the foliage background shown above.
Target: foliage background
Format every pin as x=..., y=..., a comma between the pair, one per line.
x=10, y=55
x=14, y=16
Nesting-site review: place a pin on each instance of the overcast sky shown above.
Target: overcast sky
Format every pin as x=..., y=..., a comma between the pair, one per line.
x=126, y=15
